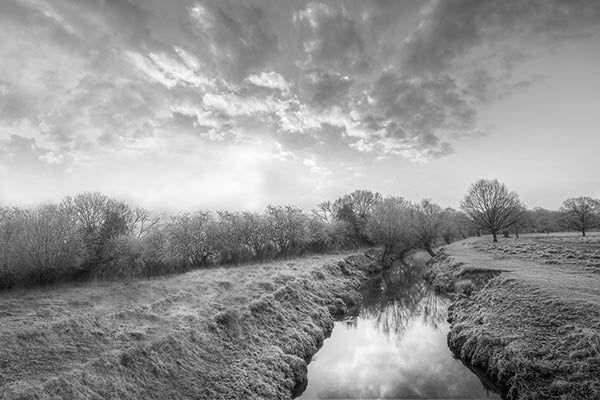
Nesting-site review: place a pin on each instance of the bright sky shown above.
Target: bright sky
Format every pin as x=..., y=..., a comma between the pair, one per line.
x=236, y=104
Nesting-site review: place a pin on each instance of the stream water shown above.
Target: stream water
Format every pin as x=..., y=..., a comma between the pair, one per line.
x=395, y=348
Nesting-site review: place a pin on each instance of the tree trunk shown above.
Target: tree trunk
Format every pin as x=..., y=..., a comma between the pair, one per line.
x=430, y=250
x=495, y=235
x=583, y=231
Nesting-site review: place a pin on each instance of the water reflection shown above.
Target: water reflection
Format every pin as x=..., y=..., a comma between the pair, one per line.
x=399, y=298
x=394, y=349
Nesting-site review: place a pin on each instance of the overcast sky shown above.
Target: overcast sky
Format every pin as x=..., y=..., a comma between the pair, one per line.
x=186, y=104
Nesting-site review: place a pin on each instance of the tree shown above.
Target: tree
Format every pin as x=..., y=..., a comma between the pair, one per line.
x=428, y=222
x=286, y=227
x=143, y=223
x=188, y=239
x=100, y=219
x=11, y=223
x=491, y=206
x=390, y=226
x=363, y=201
x=545, y=220
x=51, y=242
x=355, y=208
x=581, y=213
x=324, y=211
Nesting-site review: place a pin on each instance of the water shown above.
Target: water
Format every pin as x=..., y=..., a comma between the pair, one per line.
x=394, y=349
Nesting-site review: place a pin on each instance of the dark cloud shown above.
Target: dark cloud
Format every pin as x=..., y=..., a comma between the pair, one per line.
x=237, y=37
x=453, y=28
x=420, y=107
x=327, y=88
x=331, y=38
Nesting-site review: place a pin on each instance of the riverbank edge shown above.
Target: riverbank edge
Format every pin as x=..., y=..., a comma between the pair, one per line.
x=257, y=350
x=529, y=341
x=453, y=279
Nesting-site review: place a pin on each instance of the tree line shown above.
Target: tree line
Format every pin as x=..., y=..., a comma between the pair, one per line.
x=91, y=235
x=493, y=208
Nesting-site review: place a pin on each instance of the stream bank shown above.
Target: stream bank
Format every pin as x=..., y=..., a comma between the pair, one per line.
x=533, y=328
x=225, y=333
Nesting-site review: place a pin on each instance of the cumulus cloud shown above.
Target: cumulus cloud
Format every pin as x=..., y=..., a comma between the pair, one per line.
x=270, y=80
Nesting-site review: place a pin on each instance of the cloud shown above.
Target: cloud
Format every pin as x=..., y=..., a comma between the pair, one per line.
x=340, y=84
x=270, y=80
x=330, y=37
x=327, y=88
x=171, y=71
x=451, y=30
x=236, y=36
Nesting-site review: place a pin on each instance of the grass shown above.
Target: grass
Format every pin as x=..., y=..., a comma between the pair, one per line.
x=532, y=325
x=226, y=333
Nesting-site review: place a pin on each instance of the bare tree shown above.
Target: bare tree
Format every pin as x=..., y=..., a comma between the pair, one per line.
x=51, y=242
x=11, y=223
x=188, y=238
x=142, y=222
x=390, y=226
x=491, y=206
x=286, y=227
x=324, y=211
x=363, y=201
x=90, y=209
x=428, y=222
x=581, y=213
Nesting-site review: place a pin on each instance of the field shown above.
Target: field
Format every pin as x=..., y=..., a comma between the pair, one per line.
x=527, y=312
x=226, y=333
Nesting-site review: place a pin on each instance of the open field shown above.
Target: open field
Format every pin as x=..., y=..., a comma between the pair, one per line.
x=230, y=333
x=527, y=312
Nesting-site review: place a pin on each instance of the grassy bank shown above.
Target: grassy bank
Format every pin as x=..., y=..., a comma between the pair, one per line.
x=228, y=333
x=527, y=313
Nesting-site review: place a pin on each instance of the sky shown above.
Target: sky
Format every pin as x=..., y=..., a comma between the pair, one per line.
x=231, y=104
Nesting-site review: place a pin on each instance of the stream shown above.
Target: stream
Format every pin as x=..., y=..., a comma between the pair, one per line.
x=395, y=348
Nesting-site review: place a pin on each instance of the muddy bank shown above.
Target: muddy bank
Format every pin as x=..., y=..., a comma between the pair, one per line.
x=533, y=329
x=236, y=333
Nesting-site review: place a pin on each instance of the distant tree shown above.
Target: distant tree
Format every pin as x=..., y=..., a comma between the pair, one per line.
x=117, y=221
x=543, y=220
x=247, y=229
x=363, y=202
x=325, y=212
x=285, y=225
x=11, y=224
x=142, y=222
x=581, y=213
x=100, y=220
x=491, y=206
x=226, y=238
x=524, y=223
x=428, y=223
x=456, y=225
x=316, y=235
x=390, y=226
x=51, y=242
x=354, y=208
x=188, y=238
